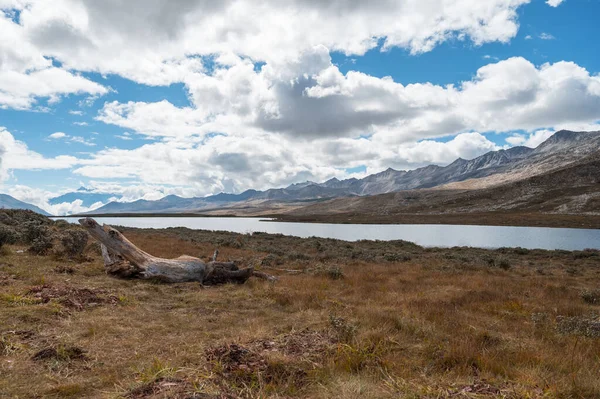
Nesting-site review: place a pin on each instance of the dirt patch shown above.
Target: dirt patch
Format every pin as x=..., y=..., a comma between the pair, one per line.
x=478, y=388
x=63, y=353
x=285, y=362
x=171, y=388
x=73, y=298
x=6, y=279
x=302, y=345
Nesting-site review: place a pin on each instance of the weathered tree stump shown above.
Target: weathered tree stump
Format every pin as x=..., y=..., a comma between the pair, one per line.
x=125, y=260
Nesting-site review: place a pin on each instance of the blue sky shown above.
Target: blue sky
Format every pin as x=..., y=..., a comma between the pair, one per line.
x=147, y=100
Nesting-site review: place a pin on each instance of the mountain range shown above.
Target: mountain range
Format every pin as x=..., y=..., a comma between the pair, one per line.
x=491, y=169
x=87, y=197
x=8, y=202
x=494, y=169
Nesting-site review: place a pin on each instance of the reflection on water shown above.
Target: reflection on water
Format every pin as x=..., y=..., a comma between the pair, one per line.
x=425, y=235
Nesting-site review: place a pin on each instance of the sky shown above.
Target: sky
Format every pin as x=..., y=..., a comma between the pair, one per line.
x=143, y=99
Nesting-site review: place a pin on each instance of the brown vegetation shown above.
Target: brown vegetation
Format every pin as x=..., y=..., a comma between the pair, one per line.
x=366, y=319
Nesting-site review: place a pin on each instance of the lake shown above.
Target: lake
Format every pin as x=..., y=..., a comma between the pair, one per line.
x=425, y=235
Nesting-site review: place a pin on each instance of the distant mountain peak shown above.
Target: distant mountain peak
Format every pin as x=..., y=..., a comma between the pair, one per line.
x=564, y=139
x=560, y=149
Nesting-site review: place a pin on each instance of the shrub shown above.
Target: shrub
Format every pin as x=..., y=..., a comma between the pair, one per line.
x=271, y=260
x=33, y=231
x=344, y=330
x=8, y=236
x=503, y=263
x=521, y=251
x=41, y=245
x=591, y=296
x=62, y=224
x=6, y=219
x=298, y=256
x=578, y=325
x=332, y=272
x=396, y=257
x=73, y=242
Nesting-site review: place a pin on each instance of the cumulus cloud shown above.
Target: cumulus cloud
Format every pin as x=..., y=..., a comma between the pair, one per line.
x=507, y=95
x=554, y=3
x=17, y=156
x=151, y=42
x=57, y=136
x=531, y=140
x=27, y=74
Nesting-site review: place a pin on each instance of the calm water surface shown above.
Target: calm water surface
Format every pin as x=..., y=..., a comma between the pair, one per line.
x=425, y=235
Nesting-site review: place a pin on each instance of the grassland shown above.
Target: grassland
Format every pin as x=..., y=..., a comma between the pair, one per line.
x=345, y=320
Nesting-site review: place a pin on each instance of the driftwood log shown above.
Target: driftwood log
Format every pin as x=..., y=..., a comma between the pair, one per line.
x=123, y=259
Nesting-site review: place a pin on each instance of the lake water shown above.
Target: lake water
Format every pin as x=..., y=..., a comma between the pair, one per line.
x=425, y=235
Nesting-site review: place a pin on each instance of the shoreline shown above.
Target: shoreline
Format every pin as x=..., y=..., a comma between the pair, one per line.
x=467, y=219
x=473, y=219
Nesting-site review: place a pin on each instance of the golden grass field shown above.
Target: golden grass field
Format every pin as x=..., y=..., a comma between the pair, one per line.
x=362, y=320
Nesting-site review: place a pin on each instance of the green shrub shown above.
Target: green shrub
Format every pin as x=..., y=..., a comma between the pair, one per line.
x=8, y=235
x=34, y=231
x=73, y=242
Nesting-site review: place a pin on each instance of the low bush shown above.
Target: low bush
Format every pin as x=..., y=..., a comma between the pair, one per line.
x=591, y=296
x=579, y=325
x=333, y=272
x=41, y=245
x=32, y=231
x=73, y=242
x=8, y=235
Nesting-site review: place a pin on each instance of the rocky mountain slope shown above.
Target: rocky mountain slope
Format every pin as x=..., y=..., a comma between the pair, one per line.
x=573, y=189
x=489, y=170
x=8, y=202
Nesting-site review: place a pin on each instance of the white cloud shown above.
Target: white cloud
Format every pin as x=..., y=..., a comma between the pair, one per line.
x=507, y=95
x=125, y=136
x=151, y=42
x=26, y=75
x=82, y=140
x=554, y=3
x=531, y=140
x=72, y=139
x=282, y=125
x=41, y=198
x=17, y=156
x=57, y=135
x=546, y=36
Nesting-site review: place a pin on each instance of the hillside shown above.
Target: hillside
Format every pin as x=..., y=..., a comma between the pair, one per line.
x=8, y=202
x=571, y=190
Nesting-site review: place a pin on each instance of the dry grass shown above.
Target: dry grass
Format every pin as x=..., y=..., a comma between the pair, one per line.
x=392, y=320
